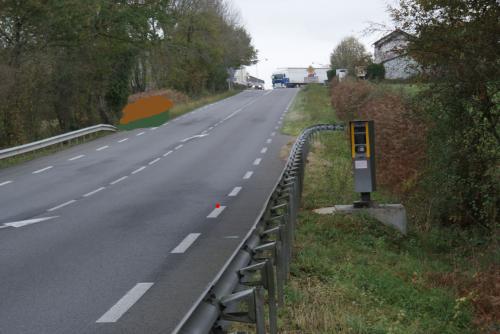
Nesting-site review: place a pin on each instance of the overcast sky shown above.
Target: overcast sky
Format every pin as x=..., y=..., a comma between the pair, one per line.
x=304, y=32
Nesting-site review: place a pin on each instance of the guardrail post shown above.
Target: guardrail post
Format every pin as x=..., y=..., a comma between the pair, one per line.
x=255, y=308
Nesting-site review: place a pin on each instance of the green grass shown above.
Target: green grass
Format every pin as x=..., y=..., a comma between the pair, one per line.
x=351, y=274
x=176, y=111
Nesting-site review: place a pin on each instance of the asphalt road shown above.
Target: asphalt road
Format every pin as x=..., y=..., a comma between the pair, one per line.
x=122, y=234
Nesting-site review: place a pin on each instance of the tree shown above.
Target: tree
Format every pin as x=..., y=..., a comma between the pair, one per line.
x=456, y=43
x=348, y=54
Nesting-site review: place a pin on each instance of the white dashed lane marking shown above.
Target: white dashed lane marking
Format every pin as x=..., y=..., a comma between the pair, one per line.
x=216, y=212
x=168, y=153
x=76, y=158
x=154, y=161
x=248, y=175
x=5, y=183
x=119, y=180
x=125, y=303
x=102, y=148
x=178, y=147
x=257, y=161
x=61, y=205
x=94, y=192
x=123, y=140
x=264, y=150
x=139, y=170
x=235, y=191
x=186, y=243
x=273, y=134
x=42, y=170
x=269, y=141
x=140, y=134
x=26, y=222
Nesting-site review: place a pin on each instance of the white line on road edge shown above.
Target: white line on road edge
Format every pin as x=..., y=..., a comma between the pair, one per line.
x=61, y=206
x=178, y=147
x=102, y=148
x=5, y=183
x=139, y=170
x=193, y=137
x=216, y=212
x=152, y=129
x=264, y=150
x=154, y=161
x=76, y=158
x=94, y=192
x=140, y=134
x=235, y=192
x=257, y=161
x=124, y=139
x=26, y=222
x=186, y=243
x=125, y=303
x=269, y=141
x=168, y=153
x=42, y=170
x=119, y=180
x=247, y=175
x=273, y=134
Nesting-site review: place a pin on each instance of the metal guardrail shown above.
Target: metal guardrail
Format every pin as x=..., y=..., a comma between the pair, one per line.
x=262, y=260
x=13, y=151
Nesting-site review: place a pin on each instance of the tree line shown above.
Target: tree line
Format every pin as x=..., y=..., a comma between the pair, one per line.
x=68, y=64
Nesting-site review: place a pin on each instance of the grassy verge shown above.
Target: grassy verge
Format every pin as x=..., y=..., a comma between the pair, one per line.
x=351, y=274
x=176, y=111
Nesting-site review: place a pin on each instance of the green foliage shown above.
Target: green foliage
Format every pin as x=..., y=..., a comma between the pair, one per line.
x=462, y=103
x=348, y=54
x=331, y=74
x=375, y=72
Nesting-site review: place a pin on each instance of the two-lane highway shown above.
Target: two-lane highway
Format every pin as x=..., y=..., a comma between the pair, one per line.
x=122, y=234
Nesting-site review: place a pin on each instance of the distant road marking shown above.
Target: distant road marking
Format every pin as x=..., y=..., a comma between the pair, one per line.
x=264, y=150
x=152, y=129
x=257, y=161
x=76, y=158
x=273, y=134
x=139, y=170
x=140, y=134
x=186, y=243
x=94, y=192
x=235, y=191
x=178, y=147
x=269, y=141
x=216, y=212
x=168, y=153
x=42, y=170
x=102, y=148
x=276, y=127
x=193, y=137
x=279, y=122
x=5, y=183
x=247, y=175
x=231, y=237
x=125, y=303
x=124, y=139
x=119, y=180
x=61, y=205
x=26, y=222
x=154, y=161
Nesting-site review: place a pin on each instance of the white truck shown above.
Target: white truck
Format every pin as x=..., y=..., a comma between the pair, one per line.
x=290, y=77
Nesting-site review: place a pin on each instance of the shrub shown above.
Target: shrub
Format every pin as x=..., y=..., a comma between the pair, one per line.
x=375, y=72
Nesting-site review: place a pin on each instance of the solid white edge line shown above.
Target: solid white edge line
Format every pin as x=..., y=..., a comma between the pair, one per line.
x=186, y=243
x=77, y=157
x=235, y=191
x=102, y=148
x=264, y=150
x=61, y=205
x=94, y=192
x=118, y=180
x=154, y=161
x=168, y=153
x=124, y=139
x=257, y=161
x=5, y=183
x=42, y=170
x=216, y=212
x=125, y=303
x=140, y=169
x=248, y=175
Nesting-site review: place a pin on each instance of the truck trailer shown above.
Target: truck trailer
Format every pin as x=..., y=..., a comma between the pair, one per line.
x=291, y=77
